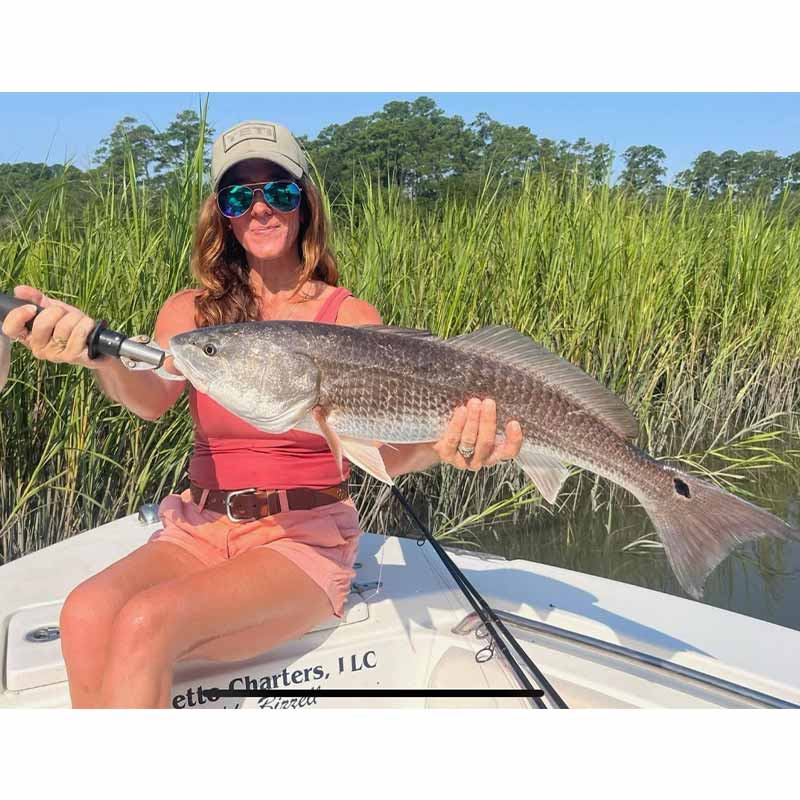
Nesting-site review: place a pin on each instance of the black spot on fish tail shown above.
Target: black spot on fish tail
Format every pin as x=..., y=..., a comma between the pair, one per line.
x=699, y=524
x=681, y=487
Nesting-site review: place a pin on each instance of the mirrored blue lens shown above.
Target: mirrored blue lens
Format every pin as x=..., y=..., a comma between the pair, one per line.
x=282, y=195
x=234, y=201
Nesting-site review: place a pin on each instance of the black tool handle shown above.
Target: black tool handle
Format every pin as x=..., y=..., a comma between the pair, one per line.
x=101, y=341
x=8, y=303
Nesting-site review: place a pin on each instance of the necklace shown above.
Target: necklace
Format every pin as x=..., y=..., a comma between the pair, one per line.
x=292, y=307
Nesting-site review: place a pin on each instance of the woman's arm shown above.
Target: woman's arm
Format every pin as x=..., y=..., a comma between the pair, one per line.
x=59, y=332
x=142, y=391
x=473, y=425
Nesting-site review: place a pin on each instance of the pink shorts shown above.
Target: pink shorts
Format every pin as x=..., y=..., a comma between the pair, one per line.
x=322, y=541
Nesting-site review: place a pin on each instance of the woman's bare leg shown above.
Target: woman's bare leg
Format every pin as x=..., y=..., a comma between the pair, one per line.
x=260, y=590
x=89, y=611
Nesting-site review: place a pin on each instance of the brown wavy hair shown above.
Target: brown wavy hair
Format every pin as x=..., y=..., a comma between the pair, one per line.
x=219, y=262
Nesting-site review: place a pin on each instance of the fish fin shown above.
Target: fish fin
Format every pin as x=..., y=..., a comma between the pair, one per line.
x=331, y=437
x=361, y=452
x=547, y=473
x=515, y=348
x=701, y=523
x=5, y=359
x=420, y=332
x=366, y=455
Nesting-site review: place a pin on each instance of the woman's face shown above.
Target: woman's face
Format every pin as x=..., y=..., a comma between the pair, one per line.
x=265, y=233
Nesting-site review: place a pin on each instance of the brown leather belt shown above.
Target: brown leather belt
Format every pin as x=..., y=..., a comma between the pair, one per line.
x=243, y=505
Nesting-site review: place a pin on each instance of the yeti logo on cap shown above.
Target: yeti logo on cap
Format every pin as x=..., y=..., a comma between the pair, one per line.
x=265, y=132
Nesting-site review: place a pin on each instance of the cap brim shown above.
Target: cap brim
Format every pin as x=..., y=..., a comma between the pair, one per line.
x=294, y=169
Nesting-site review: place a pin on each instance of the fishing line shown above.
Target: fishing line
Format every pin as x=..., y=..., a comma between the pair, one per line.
x=487, y=615
x=379, y=583
x=380, y=569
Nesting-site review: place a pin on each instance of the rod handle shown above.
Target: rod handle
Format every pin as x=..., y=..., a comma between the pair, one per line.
x=8, y=303
x=101, y=341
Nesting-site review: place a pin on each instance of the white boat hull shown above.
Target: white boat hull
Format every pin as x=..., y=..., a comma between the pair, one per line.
x=601, y=643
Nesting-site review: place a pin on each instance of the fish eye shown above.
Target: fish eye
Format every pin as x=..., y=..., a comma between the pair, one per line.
x=209, y=349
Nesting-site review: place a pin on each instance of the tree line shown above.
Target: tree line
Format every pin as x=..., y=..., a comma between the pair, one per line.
x=416, y=146
x=131, y=151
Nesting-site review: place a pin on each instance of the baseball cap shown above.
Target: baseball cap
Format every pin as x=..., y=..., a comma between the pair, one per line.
x=255, y=139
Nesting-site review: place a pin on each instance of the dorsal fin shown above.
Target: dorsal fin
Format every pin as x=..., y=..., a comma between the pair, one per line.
x=510, y=346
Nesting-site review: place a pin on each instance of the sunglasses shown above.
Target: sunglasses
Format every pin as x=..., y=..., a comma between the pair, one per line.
x=234, y=201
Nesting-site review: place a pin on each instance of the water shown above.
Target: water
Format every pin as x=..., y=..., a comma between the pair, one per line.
x=760, y=579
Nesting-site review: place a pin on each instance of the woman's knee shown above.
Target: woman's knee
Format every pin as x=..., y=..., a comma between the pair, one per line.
x=144, y=625
x=87, y=612
x=85, y=625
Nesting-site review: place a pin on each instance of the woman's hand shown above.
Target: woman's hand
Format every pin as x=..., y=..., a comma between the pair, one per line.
x=59, y=332
x=474, y=428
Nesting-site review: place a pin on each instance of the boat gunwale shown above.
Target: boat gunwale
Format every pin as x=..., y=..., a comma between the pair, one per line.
x=471, y=621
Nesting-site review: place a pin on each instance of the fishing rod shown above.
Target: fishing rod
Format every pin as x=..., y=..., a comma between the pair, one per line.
x=101, y=341
x=488, y=617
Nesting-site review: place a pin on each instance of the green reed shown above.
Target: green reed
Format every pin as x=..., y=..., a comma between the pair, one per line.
x=687, y=310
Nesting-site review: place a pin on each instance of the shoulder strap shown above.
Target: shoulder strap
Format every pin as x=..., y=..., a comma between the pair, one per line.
x=330, y=308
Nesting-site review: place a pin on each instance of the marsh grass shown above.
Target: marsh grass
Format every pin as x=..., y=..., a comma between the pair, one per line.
x=689, y=311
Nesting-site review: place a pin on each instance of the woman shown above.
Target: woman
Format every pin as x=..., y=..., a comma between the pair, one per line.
x=232, y=573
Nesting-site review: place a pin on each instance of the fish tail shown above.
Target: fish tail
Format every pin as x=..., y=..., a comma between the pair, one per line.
x=699, y=524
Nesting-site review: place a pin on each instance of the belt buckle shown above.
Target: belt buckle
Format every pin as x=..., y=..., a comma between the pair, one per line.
x=228, y=505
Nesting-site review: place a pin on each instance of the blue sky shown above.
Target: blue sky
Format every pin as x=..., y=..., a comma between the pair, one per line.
x=69, y=126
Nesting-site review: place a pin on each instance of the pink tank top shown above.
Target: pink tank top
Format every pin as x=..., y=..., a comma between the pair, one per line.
x=229, y=453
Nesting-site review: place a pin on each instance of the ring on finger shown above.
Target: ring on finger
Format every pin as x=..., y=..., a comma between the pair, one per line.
x=466, y=452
